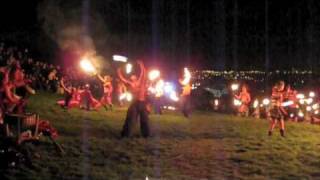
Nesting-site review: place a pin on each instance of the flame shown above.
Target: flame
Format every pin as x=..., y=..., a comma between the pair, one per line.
x=186, y=76
x=87, y=66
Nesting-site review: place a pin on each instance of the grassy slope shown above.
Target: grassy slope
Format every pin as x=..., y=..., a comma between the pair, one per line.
x=208, y=146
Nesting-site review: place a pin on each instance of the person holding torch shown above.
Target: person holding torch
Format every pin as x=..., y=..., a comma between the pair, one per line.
x=106, y=99
x=138, y=108
x=185, y=96
x=245, y=98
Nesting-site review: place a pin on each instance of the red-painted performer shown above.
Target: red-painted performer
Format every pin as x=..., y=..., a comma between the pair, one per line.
x=106, y=100
x=291, y=95
x=89, y=101
x=71, y=97
x=138, y=108
x=13, y=78
x=245, y=98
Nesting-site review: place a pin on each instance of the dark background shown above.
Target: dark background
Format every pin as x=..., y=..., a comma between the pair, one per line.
x=215, y=34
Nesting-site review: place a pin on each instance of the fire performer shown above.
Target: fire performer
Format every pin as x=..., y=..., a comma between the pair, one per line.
x=106, y=100
x=277, y=112
x=14, y=78
x=89, y=101
x=245, y=98
x=71, y=96
x=185, y=96
x=137, y=109
x=291, y=95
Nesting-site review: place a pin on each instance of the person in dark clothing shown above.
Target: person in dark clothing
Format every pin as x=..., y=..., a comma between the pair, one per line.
x=138, y=108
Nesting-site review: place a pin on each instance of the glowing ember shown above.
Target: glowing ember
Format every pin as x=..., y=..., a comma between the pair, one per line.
x=87, y=66
x=119, y=58
x=153, y=75
x=128, y=68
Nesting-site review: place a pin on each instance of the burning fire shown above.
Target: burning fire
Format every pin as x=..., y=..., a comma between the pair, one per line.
x=186, y=76
x=87, y=66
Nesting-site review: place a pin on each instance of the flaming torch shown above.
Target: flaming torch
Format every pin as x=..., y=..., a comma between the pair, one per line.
x=186, y=76
x=87, y=66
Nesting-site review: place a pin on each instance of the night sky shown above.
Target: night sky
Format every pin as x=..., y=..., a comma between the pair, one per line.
x=215, y=34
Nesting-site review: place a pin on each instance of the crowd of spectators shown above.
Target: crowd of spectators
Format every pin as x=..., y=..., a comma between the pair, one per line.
x=44, y=76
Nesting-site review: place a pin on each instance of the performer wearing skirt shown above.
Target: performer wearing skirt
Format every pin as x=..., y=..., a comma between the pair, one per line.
x=277, y=112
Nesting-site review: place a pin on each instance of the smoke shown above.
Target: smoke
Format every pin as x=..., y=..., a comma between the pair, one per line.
x=62, y=21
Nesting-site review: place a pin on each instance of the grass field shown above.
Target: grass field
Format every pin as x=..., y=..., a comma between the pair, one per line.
x=206, y=146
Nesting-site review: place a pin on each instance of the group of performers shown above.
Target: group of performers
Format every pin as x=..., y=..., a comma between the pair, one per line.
x=139, y=107
x=83, y=98
x=276, y=111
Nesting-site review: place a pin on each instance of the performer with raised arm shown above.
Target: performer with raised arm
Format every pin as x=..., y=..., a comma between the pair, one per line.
x=69, y=94
x=106, y=100
x=137, y=109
